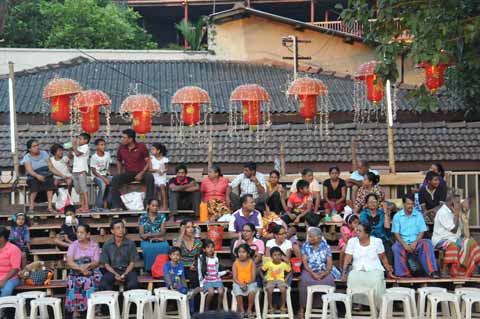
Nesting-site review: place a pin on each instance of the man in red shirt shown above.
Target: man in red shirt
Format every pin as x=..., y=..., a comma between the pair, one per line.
x=133, y=158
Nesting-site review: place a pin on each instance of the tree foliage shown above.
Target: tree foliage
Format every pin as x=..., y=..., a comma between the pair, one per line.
x=441, y=29
x=85, y=24
x=193, y=33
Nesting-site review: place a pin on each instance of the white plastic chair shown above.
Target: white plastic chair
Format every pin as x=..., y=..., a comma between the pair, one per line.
x=258, y=312
x=145, y=303
x=109, y=298
x=422, y=300
x=45, y=302
x=15, y=302
x=369, y=293
x=329, y=301
x=29, y=295
x=386, y=311
x=289, y=313
x=437, y=297
x=163, y=295
x=409, y=292
x=203, y=299
x=311, y=312
x=468, y=300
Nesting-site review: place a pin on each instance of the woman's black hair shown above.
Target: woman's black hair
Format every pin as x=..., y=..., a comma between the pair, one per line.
x=275, y=172
x=366, y=228
x=87, y=227
x=161, y=148
x=351, y=218
x=151, y=200
x=333, y=168
x=370, y=195
x=216, y=169
x=276, y=250
x=245, y=247
x=252, y=228
x=55, y=147
x=307, y=171
x=277, y=229
x=374, y=178
x=30, y=142
x=185, y=221
x=441, y=171
x=4, y=232
x=14, y=219
x=203, y=256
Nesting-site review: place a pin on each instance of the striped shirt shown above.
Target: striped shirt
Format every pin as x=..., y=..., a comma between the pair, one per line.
x=246, y=184
x=212, y=274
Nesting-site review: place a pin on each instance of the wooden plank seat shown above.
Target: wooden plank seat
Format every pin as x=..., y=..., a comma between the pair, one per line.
x=54, y=284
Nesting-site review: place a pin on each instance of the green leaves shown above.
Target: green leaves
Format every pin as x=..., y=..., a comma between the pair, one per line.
x=84, y=24
x=441, y=29
x=193, y=33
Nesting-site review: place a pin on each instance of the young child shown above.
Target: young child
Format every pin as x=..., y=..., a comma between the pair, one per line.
x=299, y=203
x=348, y=231
x=158, y=166
x=275, y=270
x=208, y=274
x=61, y=163
x=20, y=235
x=244, y=283
x=100, y=166
x=68, y=232
x=81, y=154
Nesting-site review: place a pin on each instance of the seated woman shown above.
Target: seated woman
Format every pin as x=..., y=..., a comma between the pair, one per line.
x=451, y=234
x=215, y=193
x=317, y=263
x=151, y=227
x=366, y=252
x=84, y=276
x=10, y=261
x=276, y=193
x=380, y=222
x=281, y=242
x=247, y=236
x=334, y=191
x=190, y=247
x=369, y=186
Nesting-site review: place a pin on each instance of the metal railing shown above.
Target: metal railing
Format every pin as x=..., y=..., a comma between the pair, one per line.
x=466, y=185
x=354, y=29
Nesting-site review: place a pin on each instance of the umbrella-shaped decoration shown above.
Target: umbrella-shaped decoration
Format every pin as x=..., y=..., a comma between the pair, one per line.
x=141, y=107
x=374, y=84
x=251, y=97
x=88, y=104
x=190, y=98
x=59, y=91
x=308, y=91
x=434, y=74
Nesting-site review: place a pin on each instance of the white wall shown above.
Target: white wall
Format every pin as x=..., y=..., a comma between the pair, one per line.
x=31, y=58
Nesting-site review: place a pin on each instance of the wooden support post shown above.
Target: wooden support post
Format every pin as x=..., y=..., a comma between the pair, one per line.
x=354, y=154
x=13, y=120
x=210, y=153
x=185, y=17
x=282, y=159
x=391, y=152
x=312, y=11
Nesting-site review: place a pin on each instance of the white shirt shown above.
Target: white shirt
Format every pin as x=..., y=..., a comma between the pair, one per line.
x=159, y=164
x=365, y=258
x=80, y=163
x=247, y=186
x=61, y=165
x=285, y=246
x=101, y=163
x=443, y=225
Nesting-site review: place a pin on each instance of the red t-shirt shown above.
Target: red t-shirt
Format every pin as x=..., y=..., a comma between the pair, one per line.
x=10, y=258
x=212, y=190
x=299, y=202
x=134, y=159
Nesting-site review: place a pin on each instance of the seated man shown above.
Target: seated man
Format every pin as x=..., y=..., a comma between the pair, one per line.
x=432, y=196
x=246, y=214
x=299, y=204
x=250, y=182
x=314, y=187
x=356, y=178
x=451, y=234
x=183, y=192
x=408, y=229
x=134, y=157
x=118, y=257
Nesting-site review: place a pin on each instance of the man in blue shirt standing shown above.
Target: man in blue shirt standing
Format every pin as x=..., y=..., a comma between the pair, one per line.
x=408, y=228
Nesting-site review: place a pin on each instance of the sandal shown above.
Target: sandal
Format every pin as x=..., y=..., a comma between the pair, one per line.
x=283, y=310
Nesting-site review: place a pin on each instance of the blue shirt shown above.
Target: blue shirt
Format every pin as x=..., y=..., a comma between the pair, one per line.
x=376, y=223
x=317, y=258
x=359, y=177
x=408, y=227
x=174, y=276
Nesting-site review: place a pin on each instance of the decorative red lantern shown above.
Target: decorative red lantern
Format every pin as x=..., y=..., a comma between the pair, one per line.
x=251, y=96
x=88, y=103
x=434, y=75
x=374, y=85
x=58, y=92
x=307, y=91
x=190, y=97
x=141, y=106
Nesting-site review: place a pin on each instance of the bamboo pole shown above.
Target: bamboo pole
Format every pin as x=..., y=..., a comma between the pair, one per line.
x=210, y=152
x=391, y=152
x=282, y=159
x=13, y=119
x=354, y=154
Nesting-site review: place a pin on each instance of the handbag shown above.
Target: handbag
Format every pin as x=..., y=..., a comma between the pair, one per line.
x=44, y=171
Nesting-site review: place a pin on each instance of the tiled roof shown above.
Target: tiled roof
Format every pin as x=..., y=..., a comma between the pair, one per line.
x=438, y=141
x=162, y=78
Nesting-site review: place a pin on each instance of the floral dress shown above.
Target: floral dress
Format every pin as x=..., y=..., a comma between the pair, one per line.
x=151, y=249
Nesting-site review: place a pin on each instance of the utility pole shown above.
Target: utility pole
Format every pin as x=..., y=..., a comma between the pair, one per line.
x=294, y=45
x=13, y=119
x=391, y=151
